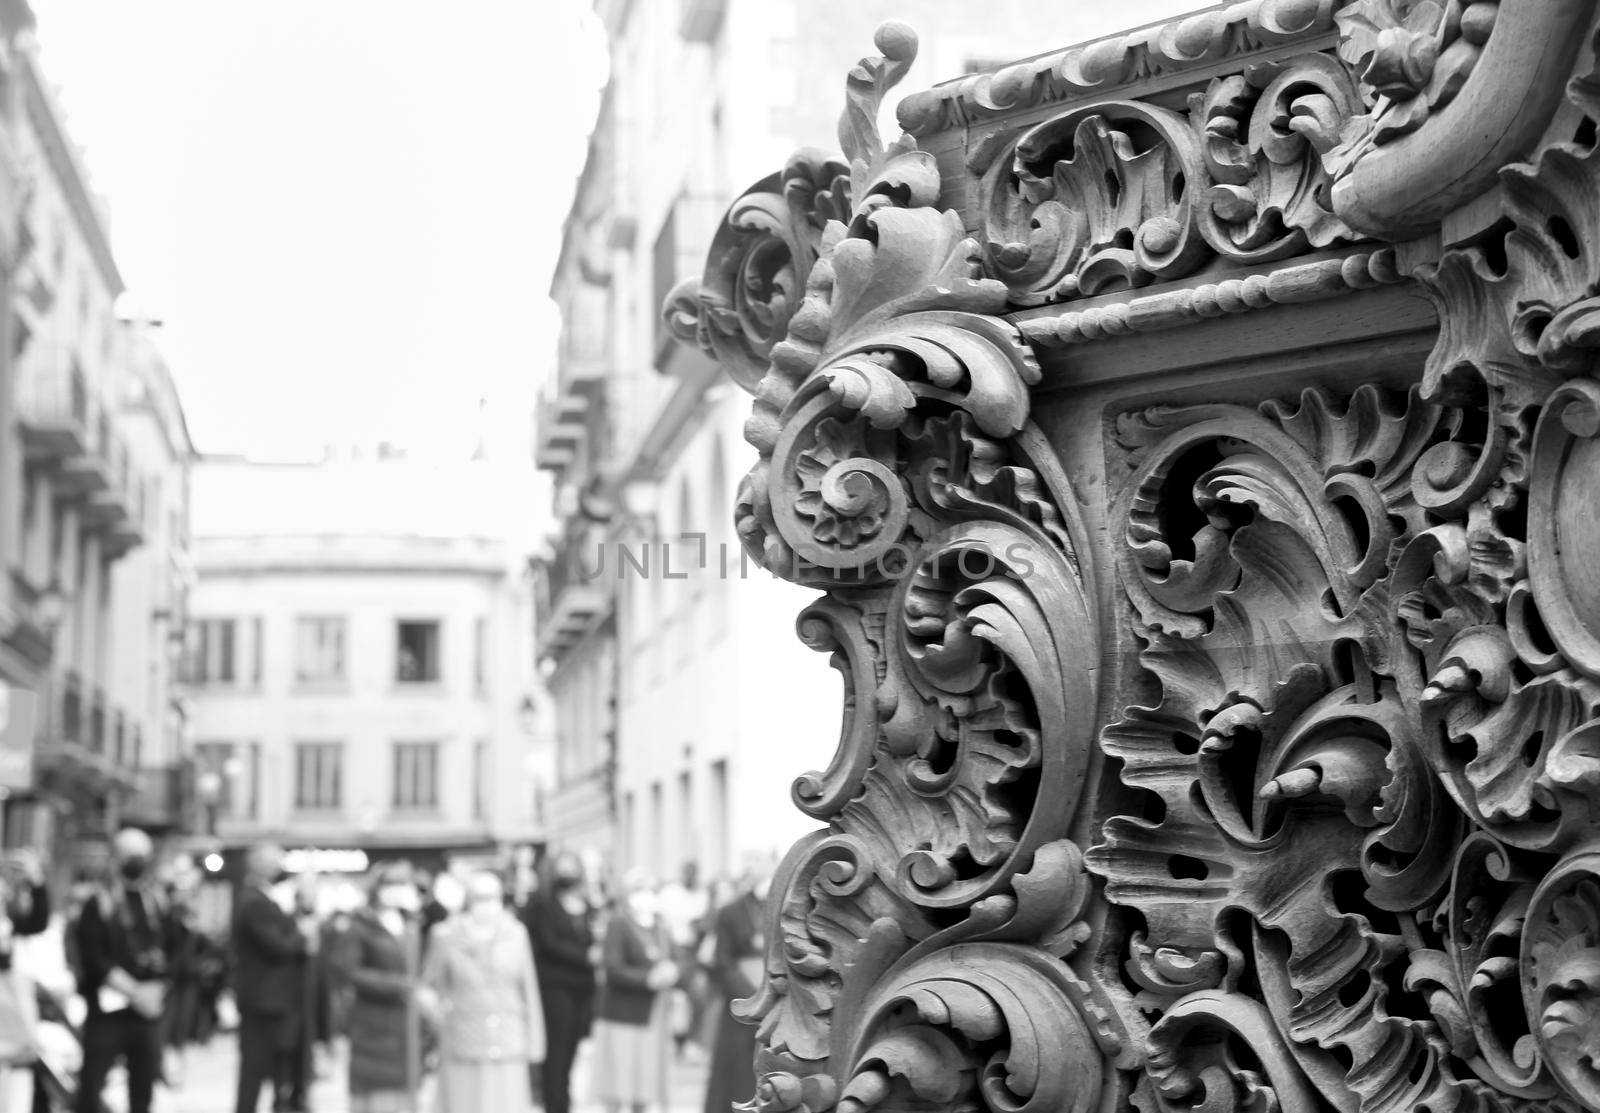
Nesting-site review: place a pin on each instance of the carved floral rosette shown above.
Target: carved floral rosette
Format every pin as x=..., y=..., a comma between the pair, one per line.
x=1262, y=772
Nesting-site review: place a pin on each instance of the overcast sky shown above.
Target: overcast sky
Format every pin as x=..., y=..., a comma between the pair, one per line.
x=345, y=213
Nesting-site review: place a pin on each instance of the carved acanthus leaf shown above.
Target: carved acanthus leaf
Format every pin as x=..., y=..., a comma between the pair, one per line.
x=1093, y=200
x=1342, y=766
x=760, y=260
x=1262, y=133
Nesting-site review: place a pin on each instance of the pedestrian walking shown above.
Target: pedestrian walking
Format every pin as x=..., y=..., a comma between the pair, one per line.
x=560, y=924
x=270, y=950
x=738, y=954
x=125, y=946
x=377, y=959
x=633, y=1037
x=479, y=986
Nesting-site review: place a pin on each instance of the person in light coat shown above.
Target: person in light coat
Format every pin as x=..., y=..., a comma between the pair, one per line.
x=480, y=988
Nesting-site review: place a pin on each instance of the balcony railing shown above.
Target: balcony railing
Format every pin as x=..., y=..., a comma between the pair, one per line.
x=87, y=734
x=573, y=592
x=562, y=423
x=563, y=569
x=72, y=709
x=119, y=509
x=53, y=403
x=159, y=797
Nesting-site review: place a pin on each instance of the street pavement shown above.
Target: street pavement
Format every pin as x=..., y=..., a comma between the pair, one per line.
x=208, y=1082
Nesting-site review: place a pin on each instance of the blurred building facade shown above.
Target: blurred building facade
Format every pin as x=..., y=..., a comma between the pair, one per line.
x=359, y=657
x=680, y=717
x=94, y=464
x=150, y=589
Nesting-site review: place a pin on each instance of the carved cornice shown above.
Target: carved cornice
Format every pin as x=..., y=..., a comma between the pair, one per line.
x=66, y=166
x=1098, y=69
x=1119, y=194
x=1236, y=751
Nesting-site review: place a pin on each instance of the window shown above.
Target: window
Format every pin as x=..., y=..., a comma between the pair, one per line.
x=480, y=654
x=720, y=826
x=250, y=793
x=319, y=650
x=629, y=833
x=216, y=651
x=687, y=851
x=227, y=774
x=255, y=652
x=318, y=776
x=657, y=829
x=416, y=776
x=220, y=653
x=480, y=780
x=416, y=652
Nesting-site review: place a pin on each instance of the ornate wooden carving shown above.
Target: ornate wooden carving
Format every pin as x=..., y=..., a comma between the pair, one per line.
x=1217, y=736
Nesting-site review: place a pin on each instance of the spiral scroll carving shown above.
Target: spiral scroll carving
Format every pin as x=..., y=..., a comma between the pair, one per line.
x=1258, y=770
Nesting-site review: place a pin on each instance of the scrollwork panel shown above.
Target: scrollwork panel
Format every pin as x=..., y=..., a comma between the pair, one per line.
x=1339, y=794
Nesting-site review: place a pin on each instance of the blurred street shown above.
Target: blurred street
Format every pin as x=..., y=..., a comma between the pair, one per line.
x=210, y=1072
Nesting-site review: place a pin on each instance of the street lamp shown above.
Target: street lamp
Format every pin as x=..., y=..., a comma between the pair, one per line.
x=209, y=787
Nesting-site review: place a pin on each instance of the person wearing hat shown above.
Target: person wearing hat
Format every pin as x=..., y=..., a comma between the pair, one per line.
x=377, y=959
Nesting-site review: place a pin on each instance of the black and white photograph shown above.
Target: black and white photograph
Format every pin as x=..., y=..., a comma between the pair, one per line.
x=800, y=556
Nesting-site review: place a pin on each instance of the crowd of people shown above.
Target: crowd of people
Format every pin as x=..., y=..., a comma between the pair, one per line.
x=487, y=993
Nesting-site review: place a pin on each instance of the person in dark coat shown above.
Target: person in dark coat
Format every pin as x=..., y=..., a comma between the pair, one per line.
x=632, y=1031
x=180, y=1021
x=337, y=990
x=211, y=978
x=125, y=946
x=270, y=950
x=378, y=958
x=560, y=926
x=738, y=955
x=294, y=1079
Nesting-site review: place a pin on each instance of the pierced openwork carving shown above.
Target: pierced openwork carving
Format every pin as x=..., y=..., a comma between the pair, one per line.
x=1122, y=194
x=1216, y=741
